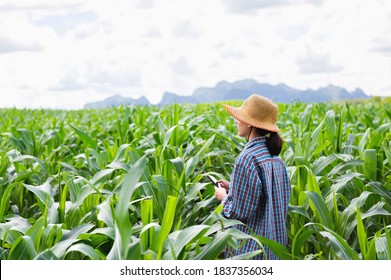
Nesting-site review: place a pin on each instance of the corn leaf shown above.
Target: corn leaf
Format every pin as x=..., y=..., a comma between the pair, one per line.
x=123, y=227
x=22, y=249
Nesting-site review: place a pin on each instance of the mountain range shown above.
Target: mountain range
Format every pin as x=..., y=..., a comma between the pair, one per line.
x=240, y=90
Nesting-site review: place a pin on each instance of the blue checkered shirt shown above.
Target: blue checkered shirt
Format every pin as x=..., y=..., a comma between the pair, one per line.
x=258, y=196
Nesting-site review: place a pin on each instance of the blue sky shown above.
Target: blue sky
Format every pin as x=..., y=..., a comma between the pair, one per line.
x=64, y=53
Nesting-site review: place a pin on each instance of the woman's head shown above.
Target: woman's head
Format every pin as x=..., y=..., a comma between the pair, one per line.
x=244, y=130
x=256, y=111
x=257, y=117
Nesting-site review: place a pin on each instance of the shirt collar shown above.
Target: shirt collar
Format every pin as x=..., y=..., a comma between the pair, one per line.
x=255, y=141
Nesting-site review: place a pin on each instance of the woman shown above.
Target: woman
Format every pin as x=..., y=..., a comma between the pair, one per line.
x=259, y=191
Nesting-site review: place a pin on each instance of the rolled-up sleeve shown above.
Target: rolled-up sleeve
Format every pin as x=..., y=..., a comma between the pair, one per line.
x=244, y=194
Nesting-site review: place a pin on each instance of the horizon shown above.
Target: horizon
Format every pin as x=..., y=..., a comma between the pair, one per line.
x=161, y=99
x=279, y=84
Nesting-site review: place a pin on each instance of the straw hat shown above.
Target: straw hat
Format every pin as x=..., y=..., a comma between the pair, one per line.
x=257, y=111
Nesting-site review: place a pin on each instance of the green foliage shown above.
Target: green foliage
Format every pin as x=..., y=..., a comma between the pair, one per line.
x=129, y=182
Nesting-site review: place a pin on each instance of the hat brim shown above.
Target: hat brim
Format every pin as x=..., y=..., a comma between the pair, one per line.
x=240, y=115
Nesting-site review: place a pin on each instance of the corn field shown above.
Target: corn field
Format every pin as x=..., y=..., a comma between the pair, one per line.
x=130, y=182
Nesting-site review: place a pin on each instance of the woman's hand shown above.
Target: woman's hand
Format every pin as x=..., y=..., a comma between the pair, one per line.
x=220, y=193
x=224, y=184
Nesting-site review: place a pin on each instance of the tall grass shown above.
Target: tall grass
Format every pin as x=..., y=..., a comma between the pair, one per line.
x=129, y=182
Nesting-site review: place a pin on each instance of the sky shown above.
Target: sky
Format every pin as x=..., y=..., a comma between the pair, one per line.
x=62, y=54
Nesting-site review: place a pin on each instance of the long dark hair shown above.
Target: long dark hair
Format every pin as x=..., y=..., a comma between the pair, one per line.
x=273, y=141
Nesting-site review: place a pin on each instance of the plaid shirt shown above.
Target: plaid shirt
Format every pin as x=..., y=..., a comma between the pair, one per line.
x=258, y=196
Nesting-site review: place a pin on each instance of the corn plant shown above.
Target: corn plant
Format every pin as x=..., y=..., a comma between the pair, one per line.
x=129, y=182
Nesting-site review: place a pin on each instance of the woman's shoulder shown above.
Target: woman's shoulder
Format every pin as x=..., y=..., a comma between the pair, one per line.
x=253, y=155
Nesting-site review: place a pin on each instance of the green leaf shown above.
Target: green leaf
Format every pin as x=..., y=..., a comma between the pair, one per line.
x=86, y=250
x=205, y=147
x=277, y=248
x=35, y=232
x=375, y=210
x=320, y=164
x=24, y=157
x=247, y=256
x=168, y=135
x=340, y=246
x=167, y=223
x=186, y=236
x=10, y=236
x=74, y=233
x=299, y=240
x=388, y=241
x=190, y=166
x=162, y=194
x=5, y=199
x=42, y=193
x=22, y=249
x=341, y=128
x=178, y=165
x=87, y=140
x=105, y=214
x=361, y=235
x=382, y=246
x=381, y=190
x=301, y=210
x=46, y=255
x=146, y=218
x=320, y=209
x=60, y=248
x=313, y=141
x=101, y=177
x=123, y=227
x=215, y=247
x=364, y=140
x=370, y=166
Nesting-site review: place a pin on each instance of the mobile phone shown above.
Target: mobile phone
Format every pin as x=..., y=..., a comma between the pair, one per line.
x=213, y=180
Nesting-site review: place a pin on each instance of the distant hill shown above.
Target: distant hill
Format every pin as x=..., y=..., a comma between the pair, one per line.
x=171, y=98
x=115, y=101
x=240, y=90
x=278, y=93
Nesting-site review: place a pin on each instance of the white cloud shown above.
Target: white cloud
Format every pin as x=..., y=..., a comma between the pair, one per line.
x=93, y=49
x=311, y=63
x=66, y=22
x=38, y=6
x=55, y=100
x=8, y=45
x=384, y=49
x=185, y=29
x=252, y=6
x=17, y=34
x=181, y=67
x=145, y=4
